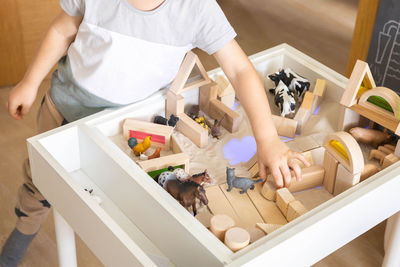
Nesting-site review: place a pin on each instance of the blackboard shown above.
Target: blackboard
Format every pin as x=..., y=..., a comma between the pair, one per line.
x=384, y=52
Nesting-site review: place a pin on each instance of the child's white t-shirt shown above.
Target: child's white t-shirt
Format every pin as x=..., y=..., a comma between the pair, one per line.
x=122, y=55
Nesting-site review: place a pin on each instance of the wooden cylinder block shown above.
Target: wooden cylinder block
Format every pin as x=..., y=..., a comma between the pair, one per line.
x=219, y=224
x=269, y=191
x=237, y=238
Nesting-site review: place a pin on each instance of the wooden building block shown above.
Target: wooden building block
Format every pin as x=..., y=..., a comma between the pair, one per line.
x=307, y=100
x=175, y=146
x=284, y=126
x=283, y=198
x=390, y=96
x=345, y=180
x=192, y=130
x=267, y=209
x=389, y=160
x=148, y=128
x=174, y=104
x=182, y=81
x=347, y=119
x=165, y=162
x=308, y=156
x=219, y=224
x=232, y=119
x=224, y=86
x=227, y=100
x=302, y=116
x=312, y=176
x=255, y=234
x=295, y=210
x=319, y=91
x=268, y=228
x=382, y=118
x=219, y=204
x=397, y=149
x=306, y=143
x=330, y=165
x=361, y=74
x=206, y=94
x=236, y=238
x=252, y=161
x=242, y=206
x=376, y=154
x=269, y=191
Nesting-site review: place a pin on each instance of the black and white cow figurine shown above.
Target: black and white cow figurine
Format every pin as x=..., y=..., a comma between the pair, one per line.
x=297, y=83
x=292, y=80
x=284, y=99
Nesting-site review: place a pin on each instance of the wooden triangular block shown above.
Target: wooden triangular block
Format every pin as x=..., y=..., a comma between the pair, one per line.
x=191, y=75
x=360, y=81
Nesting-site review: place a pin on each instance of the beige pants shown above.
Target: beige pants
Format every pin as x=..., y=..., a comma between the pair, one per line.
x=32, y=208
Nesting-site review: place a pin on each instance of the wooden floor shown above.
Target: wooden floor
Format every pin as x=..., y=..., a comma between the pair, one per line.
x=321, y=29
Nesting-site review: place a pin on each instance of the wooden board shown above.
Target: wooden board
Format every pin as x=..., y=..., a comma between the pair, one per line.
x=164, y=162
x=266, y=208
x=174, y=104
x=243, y=206
x=220, y=205
x=330, y=164
x=232, y=119
x=284, y=126
x=192, y=130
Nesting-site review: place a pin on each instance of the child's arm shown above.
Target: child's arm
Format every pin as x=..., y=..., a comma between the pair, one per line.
x=271, y=151
x=52, y=47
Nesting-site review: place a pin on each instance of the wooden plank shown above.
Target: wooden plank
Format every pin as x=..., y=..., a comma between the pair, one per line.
x=283, y=198
x=302, y=116
x=307, y=100
x=206, y=94
x=266, y=208
x=381, y=118
x=192, y=130
x=243, y=206
x=176, y=147
x=219, y=204
x=330, y=164
x=319, y=91
x=147, y=127
x=165, y=162
x=224, y=86
x=174, y=104
x=268, y=228
x=232, y=119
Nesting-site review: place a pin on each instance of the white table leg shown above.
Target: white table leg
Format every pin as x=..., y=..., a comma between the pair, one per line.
x=392, y=242
x=65, y=242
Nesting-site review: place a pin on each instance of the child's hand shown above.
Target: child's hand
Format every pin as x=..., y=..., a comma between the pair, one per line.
x=278, y=158
x=20, y=100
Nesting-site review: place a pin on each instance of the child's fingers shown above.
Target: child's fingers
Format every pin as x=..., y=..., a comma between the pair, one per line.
x=287, y=176
x=14, y=111
x=296, y=169
x=262, y=171
x=300, y=157
x=276, y=173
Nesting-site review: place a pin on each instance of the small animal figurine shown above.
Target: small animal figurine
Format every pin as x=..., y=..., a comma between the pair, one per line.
x=155, y=155
x=186, y=193
x=132, y=142
x=239, y=182
x=172, y=121
x=194, y=112
x=202, y=121
x=163, y=177
x=369, y=136
x=369, y=170
x=216, y=128
x=297, y=83
x=201, y=178
x=284, y=99
x=376, y=154
x=181, y=175
x=142, y=147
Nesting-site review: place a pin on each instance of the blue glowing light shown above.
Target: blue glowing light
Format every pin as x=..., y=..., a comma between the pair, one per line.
x=237, y=151
x=235, y=105
x=316, y=110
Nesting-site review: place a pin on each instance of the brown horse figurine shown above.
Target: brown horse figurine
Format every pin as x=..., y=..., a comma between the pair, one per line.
x=200, y=178
x=186, y=193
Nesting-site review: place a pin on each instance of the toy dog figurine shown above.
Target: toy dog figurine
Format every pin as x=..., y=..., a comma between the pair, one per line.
x=173, y=120
x=239, y=182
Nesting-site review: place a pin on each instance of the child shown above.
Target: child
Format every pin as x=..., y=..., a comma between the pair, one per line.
x=122, y=51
